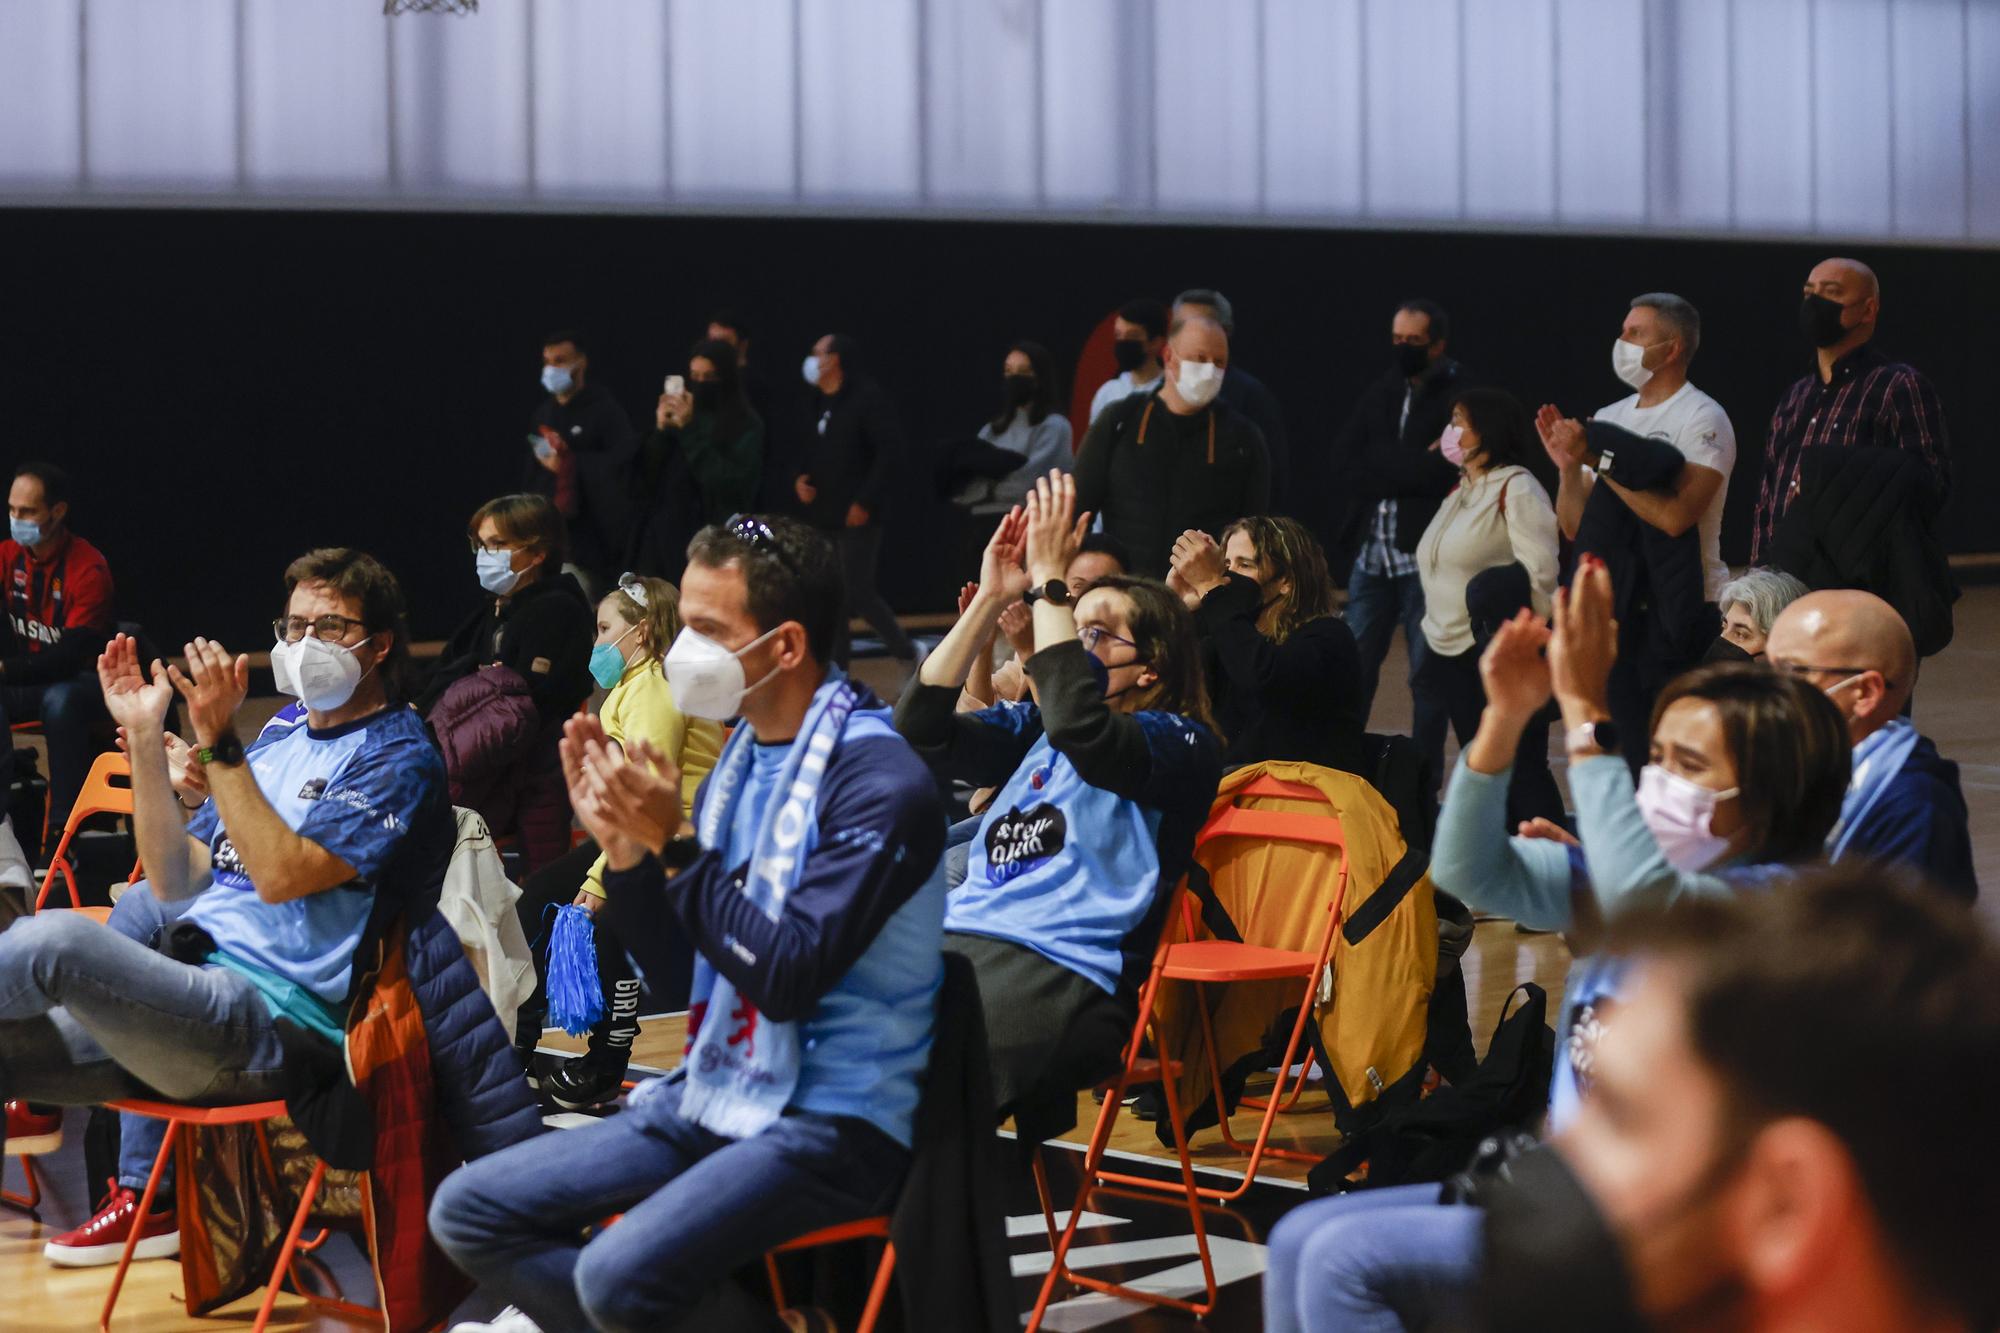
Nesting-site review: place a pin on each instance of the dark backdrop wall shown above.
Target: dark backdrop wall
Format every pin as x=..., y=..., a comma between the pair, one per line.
x=232, y=387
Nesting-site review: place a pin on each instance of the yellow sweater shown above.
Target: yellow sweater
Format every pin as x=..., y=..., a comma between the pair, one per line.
x=642, y=705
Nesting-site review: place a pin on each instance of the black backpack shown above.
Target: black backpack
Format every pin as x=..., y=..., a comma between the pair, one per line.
x=1415, y=1141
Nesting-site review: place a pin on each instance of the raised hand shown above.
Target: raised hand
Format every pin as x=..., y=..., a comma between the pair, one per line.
x=1001, y=576
x=1585, y=642
x=1017, y=622
x=1548, y=831
x=214, y=686
x=1198, y=561
x=965, y=595
x=1562, y=437
x=138, y=706
x=1513, y=668
x=1054, y=532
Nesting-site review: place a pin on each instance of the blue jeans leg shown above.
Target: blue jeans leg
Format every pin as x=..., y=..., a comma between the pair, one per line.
x=696, y=1207
x=87, y=1014
x=70, y=709
x=1378, y=1261
x=139, y=915
x=1376, y=604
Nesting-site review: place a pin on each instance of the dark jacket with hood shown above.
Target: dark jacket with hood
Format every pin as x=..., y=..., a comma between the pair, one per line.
x=1380, y=455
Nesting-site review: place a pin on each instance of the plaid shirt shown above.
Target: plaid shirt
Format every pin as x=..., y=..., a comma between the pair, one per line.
x=1379, y=554
x=1869, y=400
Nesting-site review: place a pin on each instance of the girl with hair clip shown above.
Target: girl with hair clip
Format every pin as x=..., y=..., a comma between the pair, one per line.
x=636, y=624
x=1104, y=779
x=1283, y=670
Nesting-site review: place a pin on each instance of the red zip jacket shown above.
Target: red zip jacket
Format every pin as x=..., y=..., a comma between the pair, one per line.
x=59, y=611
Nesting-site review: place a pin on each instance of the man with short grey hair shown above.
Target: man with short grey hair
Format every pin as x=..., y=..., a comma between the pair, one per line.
x=1246, y=393
x=1652, y=352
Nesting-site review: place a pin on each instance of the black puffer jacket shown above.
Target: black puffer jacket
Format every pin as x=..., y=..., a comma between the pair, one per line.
x=1864, y=518
x=1657, y=580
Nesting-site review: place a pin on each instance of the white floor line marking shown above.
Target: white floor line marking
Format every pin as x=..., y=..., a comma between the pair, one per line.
x=1034, y=1224
x=1234, y=1260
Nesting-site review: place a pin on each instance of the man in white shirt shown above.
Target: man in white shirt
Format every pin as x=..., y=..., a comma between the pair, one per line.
x=1138, y=340
x=1659, y=339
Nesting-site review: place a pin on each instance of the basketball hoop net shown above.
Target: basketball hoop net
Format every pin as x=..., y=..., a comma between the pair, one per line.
x=394, y=7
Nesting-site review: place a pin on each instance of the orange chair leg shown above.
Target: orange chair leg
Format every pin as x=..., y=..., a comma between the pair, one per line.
x=30, y=1201
x=286, y=1251
x=132, y=1236
x=878, y=1294
x=1042, y=1192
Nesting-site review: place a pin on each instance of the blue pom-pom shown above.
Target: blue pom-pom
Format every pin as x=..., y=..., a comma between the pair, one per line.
x=576, y=997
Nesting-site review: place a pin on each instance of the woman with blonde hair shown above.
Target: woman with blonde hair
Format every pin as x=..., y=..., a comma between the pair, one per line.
x=636, y=624
x=1283, y=671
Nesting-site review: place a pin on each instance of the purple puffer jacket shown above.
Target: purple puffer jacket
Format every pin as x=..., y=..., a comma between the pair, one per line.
x=500, y=760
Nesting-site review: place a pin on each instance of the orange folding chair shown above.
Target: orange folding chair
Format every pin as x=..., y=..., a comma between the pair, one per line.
x=1208, y=962
x=1138, y=1069
x=182, y=1121
x=107, y=790
x=867, y=1228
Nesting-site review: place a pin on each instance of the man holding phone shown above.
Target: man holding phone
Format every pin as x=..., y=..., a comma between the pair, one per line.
x=581, y=448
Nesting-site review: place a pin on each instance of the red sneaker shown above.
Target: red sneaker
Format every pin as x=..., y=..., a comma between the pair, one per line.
x=102, y=1239
x=29, y=1134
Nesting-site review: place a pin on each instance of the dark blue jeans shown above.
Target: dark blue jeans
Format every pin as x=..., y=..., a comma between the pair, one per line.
x=1376, y=604
x=697, y=1206
x=1377, y=1261
x=67, y=710
x=88, y=1015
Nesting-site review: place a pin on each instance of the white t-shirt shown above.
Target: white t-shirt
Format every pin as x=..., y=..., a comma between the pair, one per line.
x=1121, y=385
x=1695, y=424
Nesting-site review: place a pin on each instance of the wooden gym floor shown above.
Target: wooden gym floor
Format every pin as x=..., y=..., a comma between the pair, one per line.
x=1954, y=707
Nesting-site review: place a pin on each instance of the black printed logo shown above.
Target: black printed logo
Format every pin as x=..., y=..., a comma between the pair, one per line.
x=1019, y=842
x=313, y=790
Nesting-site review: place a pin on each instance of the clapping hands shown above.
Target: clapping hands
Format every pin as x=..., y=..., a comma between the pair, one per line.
x=629, y=799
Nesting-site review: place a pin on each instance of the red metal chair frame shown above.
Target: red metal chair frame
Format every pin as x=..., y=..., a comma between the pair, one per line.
x=32, y=1200
x=99, y=796
x=1138, y=1069
x=867, y=1228
x=1211, y=962
x=184, y=1120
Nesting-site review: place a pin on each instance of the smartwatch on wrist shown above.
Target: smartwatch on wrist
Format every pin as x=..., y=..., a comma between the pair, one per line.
x=1587, y=736
x=1055, y=592
x=228, y=752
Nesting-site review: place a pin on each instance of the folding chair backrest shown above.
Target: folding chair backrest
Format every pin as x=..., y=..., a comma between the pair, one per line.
x=1279, y=873
x=107, y=790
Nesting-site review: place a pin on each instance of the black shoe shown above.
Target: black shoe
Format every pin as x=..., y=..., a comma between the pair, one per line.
x=581, y=1083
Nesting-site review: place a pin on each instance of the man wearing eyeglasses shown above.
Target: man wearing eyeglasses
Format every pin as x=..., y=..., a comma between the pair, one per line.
x=308, y=841
x=1903, y=802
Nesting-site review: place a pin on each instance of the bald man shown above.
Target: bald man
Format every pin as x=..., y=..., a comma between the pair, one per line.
x=1157, y=464
x=1903, y=803
x=1855, y=395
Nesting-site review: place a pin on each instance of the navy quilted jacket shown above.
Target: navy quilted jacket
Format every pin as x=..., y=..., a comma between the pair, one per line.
x=480, y=1091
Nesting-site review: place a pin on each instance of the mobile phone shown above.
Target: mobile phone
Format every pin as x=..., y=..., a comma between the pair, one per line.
x=675, y=386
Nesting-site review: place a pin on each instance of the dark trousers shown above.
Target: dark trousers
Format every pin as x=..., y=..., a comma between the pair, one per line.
x=860, y=554
x=1447, y=692
x=697, y=1207
x=1376, y=604
x=550, y=887
x=69, y=711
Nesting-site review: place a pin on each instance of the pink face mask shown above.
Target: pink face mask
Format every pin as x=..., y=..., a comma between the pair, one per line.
x=1679, y=814
x=1452, y=445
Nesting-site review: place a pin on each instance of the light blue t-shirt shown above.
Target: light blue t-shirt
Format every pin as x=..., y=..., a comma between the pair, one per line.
x=370, y=793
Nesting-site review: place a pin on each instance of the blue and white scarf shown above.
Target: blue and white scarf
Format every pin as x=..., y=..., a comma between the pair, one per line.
x=1880, y=757
x=740, y=1066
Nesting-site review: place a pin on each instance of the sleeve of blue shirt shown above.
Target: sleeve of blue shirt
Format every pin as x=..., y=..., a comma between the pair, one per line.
x=203, y=823
x=1152, y=758
x=364, y=814
x=881, y=830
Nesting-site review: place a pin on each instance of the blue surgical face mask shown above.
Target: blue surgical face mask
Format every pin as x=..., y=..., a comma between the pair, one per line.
x=25, y=531
x=607, y=664
x=496, y=571
x=557, y=379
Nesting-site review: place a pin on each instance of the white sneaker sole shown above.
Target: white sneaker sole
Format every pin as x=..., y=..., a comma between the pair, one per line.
x=97, y=1256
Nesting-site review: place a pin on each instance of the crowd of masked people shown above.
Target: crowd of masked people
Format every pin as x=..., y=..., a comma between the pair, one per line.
x=1779, y=1035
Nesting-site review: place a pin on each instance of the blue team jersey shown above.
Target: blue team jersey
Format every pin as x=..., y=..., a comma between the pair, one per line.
x=370, y=792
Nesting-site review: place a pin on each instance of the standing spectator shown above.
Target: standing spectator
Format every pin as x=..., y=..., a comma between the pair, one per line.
x=1281, y=666
x=499, y=728
x=1155, y=465
x=583, y=449
x=1028, y=425
x=700, y=464
x=1499, y=517
x=776, y=405
x=1393, y=479
x=1904, y=802
x=1240, y=389
x=59, y=615
x=1138, y=342
x=844, y=482
x=1659, y=338
x=1855, y=395
x=1750, y=605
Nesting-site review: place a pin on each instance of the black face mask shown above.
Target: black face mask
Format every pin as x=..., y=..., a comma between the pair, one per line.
x=1722, y=650
x=1102, y=674
x=1819, y=321
x=1020, y=389
x=1130, y=353
x=1412, y=359
x=707, y=394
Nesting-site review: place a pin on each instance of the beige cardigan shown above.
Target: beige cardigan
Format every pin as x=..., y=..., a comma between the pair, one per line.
x=1469, y=534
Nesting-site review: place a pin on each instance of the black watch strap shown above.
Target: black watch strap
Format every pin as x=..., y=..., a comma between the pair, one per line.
x=227, y=751
x=1054, y=591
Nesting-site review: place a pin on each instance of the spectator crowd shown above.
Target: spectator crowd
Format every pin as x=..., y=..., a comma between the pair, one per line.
x=1779, y=1035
